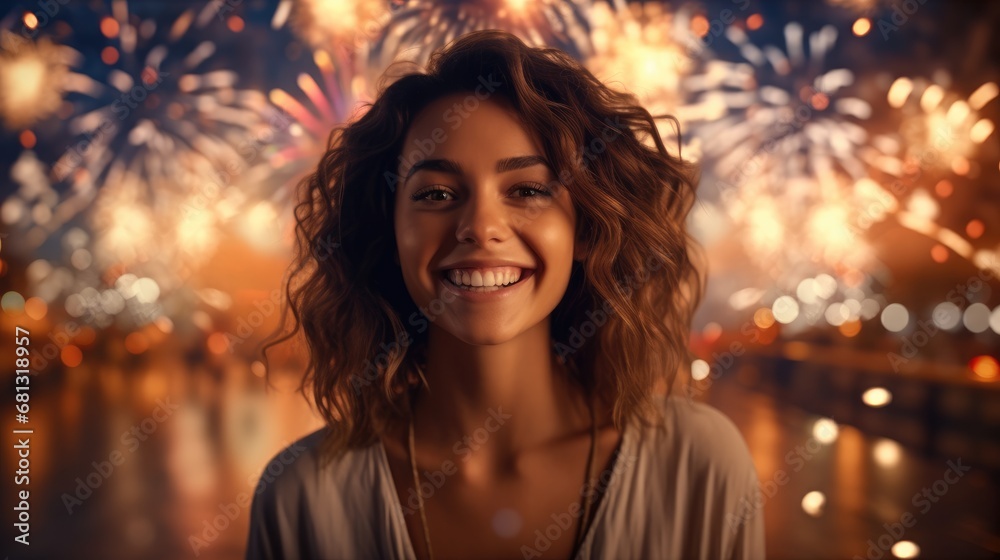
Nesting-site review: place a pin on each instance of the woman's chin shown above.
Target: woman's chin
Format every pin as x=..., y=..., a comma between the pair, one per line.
x=480, y=332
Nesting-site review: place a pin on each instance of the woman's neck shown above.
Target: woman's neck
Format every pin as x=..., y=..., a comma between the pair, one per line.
x=497, y=402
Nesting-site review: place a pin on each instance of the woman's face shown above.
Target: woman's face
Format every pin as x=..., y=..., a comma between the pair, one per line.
x=477, y=204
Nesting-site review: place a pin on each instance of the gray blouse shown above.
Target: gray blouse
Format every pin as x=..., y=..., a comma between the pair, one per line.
x=687, y=491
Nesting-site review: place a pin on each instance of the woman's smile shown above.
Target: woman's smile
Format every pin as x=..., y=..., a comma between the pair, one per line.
x=483, y=287
x=493, y=277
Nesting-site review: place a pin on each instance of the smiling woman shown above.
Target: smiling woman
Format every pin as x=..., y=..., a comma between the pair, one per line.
x=493, y=340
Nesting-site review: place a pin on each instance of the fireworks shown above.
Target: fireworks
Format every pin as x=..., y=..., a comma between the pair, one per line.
x=816, y=224
x=778, y=137
x=126, y=226
x=159, y=102
x=642, y=46
x=327, y=23
x=647, y=50
x=161, y=115
x=939, y=130
x=313, y=110
x=783, y=104
x=933, y=138
x=152, y=153
x=160, y=138
x=34, y=76
x=36, y=206
x=418, y=27
x=319, y=106
x=154, y=118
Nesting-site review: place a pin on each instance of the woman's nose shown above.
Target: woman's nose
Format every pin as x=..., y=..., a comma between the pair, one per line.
x=482, y=219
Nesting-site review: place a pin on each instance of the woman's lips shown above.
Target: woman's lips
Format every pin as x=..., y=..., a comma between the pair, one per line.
x=486, y=277
x=484, y=293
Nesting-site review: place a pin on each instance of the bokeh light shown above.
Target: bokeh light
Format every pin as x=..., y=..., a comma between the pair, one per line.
x=946, y=315
x=785, y=309
x=976, y=317
x=813, y=503
x=876, y=397
x=886, y=453
x=12, y=303
x=71, y=356
x=905, y=549
x=825, y=431
x=895, y=317
x=861, y=27
x=985, y=367
x=699, y=369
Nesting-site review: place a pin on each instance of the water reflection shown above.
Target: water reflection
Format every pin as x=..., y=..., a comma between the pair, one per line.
x=158, y=458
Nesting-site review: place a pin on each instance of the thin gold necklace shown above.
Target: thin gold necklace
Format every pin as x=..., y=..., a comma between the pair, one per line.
x=587, y=499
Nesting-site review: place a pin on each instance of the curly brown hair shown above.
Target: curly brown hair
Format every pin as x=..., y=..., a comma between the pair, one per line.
x=622, y=326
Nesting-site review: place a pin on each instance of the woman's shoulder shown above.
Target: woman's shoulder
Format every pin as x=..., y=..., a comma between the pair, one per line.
x=293, y=465
x=698, y=476
x=302, y=468
x=700, y=440
x=300, y=487
x=705, y=428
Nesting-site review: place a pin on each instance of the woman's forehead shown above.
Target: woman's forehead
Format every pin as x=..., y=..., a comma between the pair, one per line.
x=456, y=128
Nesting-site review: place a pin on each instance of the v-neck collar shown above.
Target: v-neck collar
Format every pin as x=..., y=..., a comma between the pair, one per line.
x=397, y=506
x=387, y=485
x=624, y=447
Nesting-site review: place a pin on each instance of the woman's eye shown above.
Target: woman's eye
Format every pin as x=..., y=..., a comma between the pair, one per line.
x=531, y=190
x=434, y=195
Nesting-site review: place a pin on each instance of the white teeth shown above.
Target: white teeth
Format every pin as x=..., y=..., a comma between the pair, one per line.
x=485, y=278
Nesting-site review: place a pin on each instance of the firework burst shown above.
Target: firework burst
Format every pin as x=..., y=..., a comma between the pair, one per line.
x=33, y=79
x=161, y=101
x=647, y=50
x=937, y=129
x=418, y=27
x=779, y=135
x=933, y=138
x=312, y=111
x=861, y=7
x=325, y=23
x=318, y=106
x=783, y=103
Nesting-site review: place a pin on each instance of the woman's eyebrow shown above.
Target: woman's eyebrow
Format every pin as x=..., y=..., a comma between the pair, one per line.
x=443, y=165
x=520, y=162
x=450, y=166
